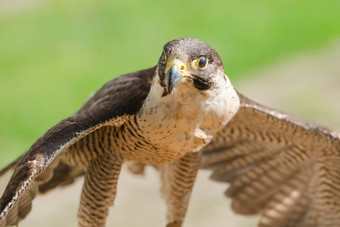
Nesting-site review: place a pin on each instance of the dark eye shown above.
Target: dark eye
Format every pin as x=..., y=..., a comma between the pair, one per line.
x=201, y=84
x=202, y=62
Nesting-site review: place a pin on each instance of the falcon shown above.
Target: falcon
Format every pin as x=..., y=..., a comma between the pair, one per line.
x=180, y=116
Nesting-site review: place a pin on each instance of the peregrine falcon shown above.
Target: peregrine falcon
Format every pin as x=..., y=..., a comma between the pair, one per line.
x=180, y=116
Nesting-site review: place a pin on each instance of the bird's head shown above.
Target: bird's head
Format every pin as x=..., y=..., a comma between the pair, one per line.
x=190, y=65
x=190, y=84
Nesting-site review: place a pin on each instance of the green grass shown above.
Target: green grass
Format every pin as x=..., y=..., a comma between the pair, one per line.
x=54, y=55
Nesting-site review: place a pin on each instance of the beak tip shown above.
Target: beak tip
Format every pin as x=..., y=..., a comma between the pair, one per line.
x=173, y=76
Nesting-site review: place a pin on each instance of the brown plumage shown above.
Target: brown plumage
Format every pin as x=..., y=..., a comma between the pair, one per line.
x=43, y=167
x=179, y=116
x=282, y=167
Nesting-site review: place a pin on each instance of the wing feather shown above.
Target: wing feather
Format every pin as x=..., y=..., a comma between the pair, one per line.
x=281, y=167
x=112, y=105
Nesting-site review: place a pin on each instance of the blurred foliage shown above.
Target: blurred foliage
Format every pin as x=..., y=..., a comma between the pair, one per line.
x=55, y=53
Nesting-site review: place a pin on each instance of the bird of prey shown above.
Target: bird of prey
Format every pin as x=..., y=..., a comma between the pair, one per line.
x=180, y=116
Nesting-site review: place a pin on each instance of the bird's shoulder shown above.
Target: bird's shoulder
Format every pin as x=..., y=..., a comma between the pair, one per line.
x=127, y=91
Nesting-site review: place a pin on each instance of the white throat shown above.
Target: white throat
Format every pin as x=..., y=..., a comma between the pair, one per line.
x=185, y=120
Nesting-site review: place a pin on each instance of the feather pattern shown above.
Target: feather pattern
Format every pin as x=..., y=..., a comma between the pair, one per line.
x=278, y=166
x=42, y=167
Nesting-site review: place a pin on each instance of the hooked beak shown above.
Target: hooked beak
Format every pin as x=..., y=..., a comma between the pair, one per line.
x=173, y=76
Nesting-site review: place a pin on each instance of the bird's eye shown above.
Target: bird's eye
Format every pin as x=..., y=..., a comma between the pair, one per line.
x=202, y=62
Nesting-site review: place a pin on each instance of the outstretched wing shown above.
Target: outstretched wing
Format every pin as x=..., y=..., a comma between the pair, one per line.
x=116, y=101
x=284, y=168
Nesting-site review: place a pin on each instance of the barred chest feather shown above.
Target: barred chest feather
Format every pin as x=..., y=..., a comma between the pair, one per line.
x=165, y=128
x=174, y=125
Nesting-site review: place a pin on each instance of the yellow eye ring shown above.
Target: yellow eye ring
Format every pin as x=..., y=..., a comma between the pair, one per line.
x=201, y=62
x=164, y=56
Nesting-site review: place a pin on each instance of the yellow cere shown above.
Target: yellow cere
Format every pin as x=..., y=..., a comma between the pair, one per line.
x=180, y=64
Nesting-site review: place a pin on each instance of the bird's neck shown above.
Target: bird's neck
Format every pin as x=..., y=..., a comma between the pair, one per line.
x=172, y=122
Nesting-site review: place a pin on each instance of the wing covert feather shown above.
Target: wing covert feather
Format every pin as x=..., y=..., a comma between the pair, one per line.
x=281, y=167
x=115, y=102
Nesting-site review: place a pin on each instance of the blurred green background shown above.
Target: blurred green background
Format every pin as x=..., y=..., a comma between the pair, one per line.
x=53, y=54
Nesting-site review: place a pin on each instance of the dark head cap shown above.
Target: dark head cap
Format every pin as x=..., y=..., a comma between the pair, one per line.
x=191, y=48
